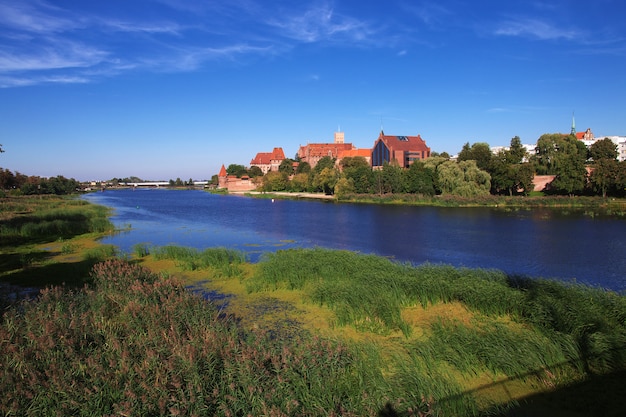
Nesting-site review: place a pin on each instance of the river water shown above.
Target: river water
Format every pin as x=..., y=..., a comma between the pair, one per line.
x=544, y=243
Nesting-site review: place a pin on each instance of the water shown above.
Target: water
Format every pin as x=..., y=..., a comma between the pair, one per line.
x=538, y=243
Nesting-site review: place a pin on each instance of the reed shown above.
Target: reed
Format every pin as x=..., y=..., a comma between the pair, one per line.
x=369, y=293
x=33, y=220
x=227, y=262
x=139, y=344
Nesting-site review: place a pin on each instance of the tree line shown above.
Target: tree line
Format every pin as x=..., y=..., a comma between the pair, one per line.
x=477, y=171
x=29, y=185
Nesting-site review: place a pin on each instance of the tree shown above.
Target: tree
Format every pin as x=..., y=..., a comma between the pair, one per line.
x=605, y=176
x=326, y=180
x=324, y=162
x=603, y=149
x=303, y=167
x=274, y=181
x=344, y=186
x=286, y=166
x=479, y=152
x=393, y=178
x=359, y=172
x=569, y=167
x=255, y=172
x=299, y=182
x=237, y=170
x=516, y=152
x=420, y=179
x=463, y=178
x=546, y=153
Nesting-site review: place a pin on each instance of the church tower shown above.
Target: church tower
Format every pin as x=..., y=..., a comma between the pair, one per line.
x=573, y=132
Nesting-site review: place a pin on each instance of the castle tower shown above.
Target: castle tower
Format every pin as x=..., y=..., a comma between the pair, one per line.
x=339, y=137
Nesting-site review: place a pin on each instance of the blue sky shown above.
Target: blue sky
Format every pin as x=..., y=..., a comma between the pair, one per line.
x=162, y=89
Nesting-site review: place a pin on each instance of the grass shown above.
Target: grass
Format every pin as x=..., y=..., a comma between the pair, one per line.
x=308, y=332
x=47, y=240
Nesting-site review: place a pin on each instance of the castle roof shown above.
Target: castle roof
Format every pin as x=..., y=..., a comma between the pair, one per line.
x=266, y=158
x=404, y=143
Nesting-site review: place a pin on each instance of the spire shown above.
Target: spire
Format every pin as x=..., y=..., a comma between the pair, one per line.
x=573, y=125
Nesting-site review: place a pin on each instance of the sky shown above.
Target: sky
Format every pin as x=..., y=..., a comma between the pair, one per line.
x=166, y=89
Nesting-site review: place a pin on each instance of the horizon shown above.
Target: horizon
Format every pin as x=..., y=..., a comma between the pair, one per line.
x=163, y=89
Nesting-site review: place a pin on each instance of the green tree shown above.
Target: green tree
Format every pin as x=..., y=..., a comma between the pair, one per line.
x=344, y=186
x=303, y=167
x=605, y=176
x=546, y=153
x=603, y=149
x=299, y=182
x=463, y=178
x=359, y=172
x=326, y=180
x=479, y=152
x=516, y=152
x=286, y=166
x=394, y=180
x=237, y=170
x=571, y=174
x=324, y=162
x=255, y=172
x=274, y=181
x=420, y=179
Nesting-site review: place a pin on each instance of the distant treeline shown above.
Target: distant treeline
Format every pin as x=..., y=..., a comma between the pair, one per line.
x=29, y=185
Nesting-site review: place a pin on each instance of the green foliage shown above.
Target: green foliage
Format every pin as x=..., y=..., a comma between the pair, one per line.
x=368, y=292
x=286, y=166
x=237, y=170
x=50, y=219
x=275, y=181
x=225, y=261
x=603, y=149
x=463, y=179
x=326, y=180
x=479, y=152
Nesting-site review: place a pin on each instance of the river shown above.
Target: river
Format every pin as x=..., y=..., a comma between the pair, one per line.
x=546, y=243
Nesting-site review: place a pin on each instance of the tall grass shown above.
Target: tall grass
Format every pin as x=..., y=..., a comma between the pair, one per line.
x=369, y=291
x=32, y=220
x=227, y=262
x=137, y=344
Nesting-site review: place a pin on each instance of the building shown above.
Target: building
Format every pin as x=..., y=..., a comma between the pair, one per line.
x=313, y=152
x=268, y=161
x=366, y=153
x=232, y=183
x=401, y=149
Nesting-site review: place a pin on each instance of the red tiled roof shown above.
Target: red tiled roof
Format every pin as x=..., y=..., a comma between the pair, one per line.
x=404, y=143
x=266, y=158
x=222, y=172
x=324, y=149
x=364, y=152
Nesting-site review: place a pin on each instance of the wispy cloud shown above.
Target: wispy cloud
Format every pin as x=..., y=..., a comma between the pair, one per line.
x=535, y=29
x=321, y=23
x=428, y=12
x=38, y=37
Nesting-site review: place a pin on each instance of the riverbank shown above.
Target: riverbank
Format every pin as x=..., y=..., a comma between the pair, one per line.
x=591, y=205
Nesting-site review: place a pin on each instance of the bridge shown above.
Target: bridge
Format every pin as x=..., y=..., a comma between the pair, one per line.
x=161, y=184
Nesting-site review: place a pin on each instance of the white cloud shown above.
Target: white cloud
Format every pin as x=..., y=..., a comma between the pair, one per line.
x=534, y=28
x=320, y=24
